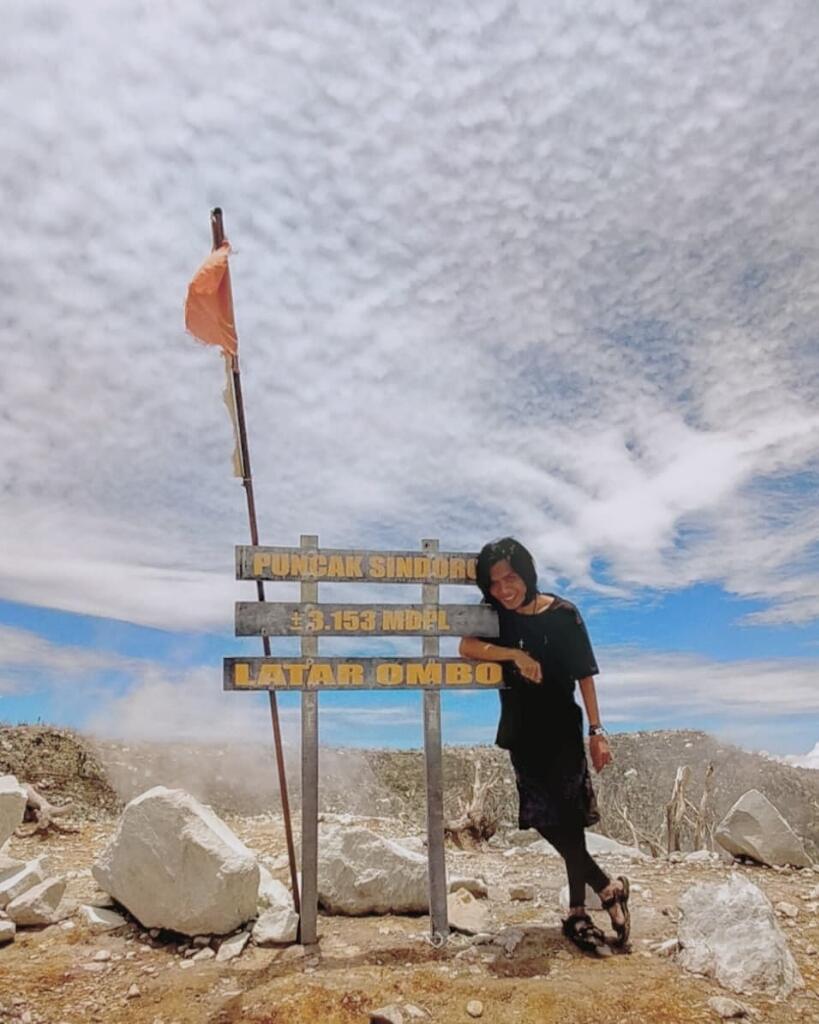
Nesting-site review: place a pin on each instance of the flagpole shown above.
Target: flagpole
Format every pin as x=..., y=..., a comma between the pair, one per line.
x=218, y=233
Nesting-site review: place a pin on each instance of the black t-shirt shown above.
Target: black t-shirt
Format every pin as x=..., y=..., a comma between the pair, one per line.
x=536, y=713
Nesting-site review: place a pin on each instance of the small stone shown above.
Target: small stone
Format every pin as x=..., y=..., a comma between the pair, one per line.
x=465, y=913
x=154, y=933
x=99, y=919
x=232, y=947
x=728, y=1009
x=102, y=955
x=414, y=1012
x=522, y=892
x=185, y=964
x=474, y=1008
x=7, y=931
x=666, y=948
x=810, y=950
x=201, y=940
x=786, y=909
x=387, y=1015
x=204, y=954
x=133, y=992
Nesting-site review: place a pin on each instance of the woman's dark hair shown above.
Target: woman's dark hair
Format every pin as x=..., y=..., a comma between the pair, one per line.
x=507, y=549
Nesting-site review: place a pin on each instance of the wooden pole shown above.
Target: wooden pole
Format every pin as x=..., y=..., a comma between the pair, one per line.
x=433, y=761
x=218, y=234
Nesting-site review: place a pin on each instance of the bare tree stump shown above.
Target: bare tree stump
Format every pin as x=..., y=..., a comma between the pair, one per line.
x=474, y=824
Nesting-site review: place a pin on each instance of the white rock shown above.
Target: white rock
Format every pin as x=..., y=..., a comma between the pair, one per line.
x=701, y=857
x=133, y=992
x=727, y=1008
x=465, y=913
x=597, y=844
x=666, y=948
x=102, y=955
x=174, y=864
x=277, y=926
x=522, y=892
x=98, y=919
x=203, y=954
x=786, y=909
x=592, y=899
x=9, y=866
x=414, y=1012
x=477, y=886
x=37, y=905
x=540, y=846
x=7, y=930
x=728, y=931
x=32, y=874
x=754, y=828
x=232, y=947
x=361, y=873
x=271, y=892
x=12, y=806
x=474, y=1008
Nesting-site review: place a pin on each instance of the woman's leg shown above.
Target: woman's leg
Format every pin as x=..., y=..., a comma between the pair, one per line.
x=581, y=867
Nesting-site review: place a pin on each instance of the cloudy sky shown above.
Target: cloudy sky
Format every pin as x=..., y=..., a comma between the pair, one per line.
x=549, y=270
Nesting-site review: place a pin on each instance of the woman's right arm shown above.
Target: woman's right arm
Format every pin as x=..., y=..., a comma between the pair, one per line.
x=480, y=650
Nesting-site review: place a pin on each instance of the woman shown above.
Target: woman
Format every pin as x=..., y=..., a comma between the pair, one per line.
x=545, y=649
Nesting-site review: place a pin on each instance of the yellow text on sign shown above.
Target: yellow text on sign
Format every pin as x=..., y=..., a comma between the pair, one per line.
x=284, y=565
x=301, y=674
x=380, y=620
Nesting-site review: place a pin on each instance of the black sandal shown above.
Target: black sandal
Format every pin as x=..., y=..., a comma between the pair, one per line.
x=620, y=896
x=581, y=930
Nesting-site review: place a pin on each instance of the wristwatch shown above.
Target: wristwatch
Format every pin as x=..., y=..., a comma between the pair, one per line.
x=597, y=730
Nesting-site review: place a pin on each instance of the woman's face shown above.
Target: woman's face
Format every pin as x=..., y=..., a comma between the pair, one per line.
x=506, y=586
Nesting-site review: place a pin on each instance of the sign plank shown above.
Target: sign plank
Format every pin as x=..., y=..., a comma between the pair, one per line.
x=334, y=565
x=360, y=673
x=275, y=618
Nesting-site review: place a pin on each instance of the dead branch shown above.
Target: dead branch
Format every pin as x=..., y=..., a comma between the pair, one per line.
x=44, y=814
x=474, y=823
x=653, y=842
x=706, y=818
x=675, y=809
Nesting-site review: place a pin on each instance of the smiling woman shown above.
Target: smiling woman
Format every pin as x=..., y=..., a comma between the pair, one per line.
x=544, y=648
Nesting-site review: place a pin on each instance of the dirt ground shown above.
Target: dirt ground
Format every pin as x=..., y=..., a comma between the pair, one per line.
x=64, y=973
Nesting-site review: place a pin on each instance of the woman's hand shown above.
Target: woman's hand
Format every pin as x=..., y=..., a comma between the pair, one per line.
x=600, y=752
x=528, y=667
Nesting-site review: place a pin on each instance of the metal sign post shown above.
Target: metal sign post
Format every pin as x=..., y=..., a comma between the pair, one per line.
x=310, y=673
x=309, y=780
x=434, y=770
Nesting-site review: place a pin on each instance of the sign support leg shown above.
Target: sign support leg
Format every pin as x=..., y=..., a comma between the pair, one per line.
x=433, y=761
x=309, y=782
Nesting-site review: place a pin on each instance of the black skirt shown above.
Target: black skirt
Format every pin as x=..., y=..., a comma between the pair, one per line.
x=554, y=788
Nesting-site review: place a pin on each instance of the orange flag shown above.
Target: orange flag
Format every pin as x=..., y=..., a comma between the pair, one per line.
x=209, y=304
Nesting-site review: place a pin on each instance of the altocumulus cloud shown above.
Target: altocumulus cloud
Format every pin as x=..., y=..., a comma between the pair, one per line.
x=542, y=268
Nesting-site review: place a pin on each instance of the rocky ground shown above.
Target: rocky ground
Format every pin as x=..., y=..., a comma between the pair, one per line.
x=64, y=973
x=529, y=972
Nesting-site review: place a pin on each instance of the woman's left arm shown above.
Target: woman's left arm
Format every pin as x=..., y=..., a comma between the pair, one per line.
x=598, y=745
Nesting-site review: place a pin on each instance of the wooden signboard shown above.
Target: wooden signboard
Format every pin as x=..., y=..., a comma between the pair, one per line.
x=359, y=674
x=271, y=618
x=331, y=565
x=308, y=565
